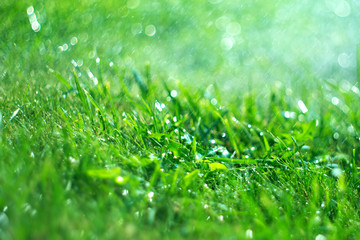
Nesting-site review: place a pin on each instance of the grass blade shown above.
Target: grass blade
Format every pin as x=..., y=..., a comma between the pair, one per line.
x=62, y=80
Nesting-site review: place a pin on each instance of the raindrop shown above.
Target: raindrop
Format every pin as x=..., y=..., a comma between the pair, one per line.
x=336, y=136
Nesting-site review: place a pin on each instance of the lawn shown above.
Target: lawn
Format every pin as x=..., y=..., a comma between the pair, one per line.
x=179, y=120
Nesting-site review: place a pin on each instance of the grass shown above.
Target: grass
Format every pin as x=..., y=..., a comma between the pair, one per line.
x=99, y=143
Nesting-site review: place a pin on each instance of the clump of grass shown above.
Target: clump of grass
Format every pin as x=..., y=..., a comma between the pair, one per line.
x=115, y=149
x=161, y=159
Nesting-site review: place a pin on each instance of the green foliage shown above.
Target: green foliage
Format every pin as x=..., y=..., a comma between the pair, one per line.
x=115, y=149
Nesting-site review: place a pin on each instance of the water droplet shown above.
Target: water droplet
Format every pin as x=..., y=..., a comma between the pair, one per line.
x=173, y=93
x=302, y=106
x=30, y=10
x=335, y=101
x=227, y=43
x=150, y=30
x=249, y=234
x=213, y=101
x=119, y=179
x=73, y=41
x=320, y=237
x=36, y=26
x=337, y=172
x=158, y=106
x=150, y=196
x=355, y=89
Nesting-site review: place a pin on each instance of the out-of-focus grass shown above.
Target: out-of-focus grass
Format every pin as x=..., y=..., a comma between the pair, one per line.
x=228, y=42
x=97, y=140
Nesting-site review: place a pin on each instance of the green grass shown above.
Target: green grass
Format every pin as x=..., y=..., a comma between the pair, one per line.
x=118, y=148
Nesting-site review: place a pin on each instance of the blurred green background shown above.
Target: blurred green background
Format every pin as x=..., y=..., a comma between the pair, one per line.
x=236, y=44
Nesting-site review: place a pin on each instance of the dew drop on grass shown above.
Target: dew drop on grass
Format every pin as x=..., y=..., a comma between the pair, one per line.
x=73, y=62
x=213, y=101
x=335, y=101
x=173, y=93
x=227, y=43
x=30, y=10
x=337, y=172
x=150, y=196
x=150, y=30
x=302, y=106
x=320, y=237
x=73, y=41
x=355, y=89
x=249, y=234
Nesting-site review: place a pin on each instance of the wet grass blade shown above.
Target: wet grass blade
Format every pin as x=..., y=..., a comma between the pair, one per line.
x=140, y=82
x=358, y=63
x=62, y=80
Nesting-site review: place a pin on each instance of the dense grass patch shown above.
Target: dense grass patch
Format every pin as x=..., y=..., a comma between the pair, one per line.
x=96, y=143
